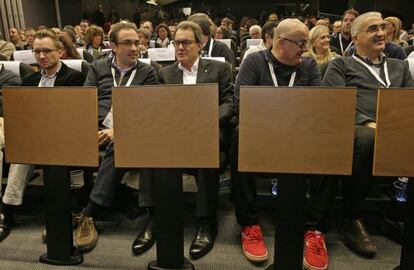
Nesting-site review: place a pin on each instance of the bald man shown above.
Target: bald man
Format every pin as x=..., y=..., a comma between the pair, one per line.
x=280, y=65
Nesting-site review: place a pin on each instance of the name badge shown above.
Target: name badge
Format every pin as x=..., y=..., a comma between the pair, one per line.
x=26, y=56
x=161, y=54
x=252, y=42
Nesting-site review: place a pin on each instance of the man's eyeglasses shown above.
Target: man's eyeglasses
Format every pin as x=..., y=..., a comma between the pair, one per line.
x=376, y=28
x=301, y=44
x=185, y=43
x=43, y=50
x=129, y=43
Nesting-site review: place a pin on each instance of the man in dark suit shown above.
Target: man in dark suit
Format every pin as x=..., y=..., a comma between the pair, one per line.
x=47, y=50
x=210, y=47
x=191, y=69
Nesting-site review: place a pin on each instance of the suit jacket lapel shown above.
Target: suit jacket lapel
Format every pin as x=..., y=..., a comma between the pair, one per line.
x=61, y=76
x=176, y=75
x=203, y=70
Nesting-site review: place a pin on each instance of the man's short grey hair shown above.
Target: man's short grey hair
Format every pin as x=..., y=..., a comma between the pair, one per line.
x=254, y=29
x=357, y=24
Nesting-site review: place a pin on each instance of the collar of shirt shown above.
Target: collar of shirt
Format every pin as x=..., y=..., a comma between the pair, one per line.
x=194, y=67
x=282, y=69
x=190, y=76
x=125, y=70
x=372, y=64
x=44, y=75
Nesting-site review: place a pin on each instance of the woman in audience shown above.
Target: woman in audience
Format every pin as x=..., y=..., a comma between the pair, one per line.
x=319, y=45
x=163, y=34
x=71, y=35
x=222, y=32
x=393, y=30
x=94, y=41
x=68, y=51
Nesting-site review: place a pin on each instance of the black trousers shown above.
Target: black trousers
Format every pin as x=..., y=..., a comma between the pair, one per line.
x=356, y=187
x=244, y=187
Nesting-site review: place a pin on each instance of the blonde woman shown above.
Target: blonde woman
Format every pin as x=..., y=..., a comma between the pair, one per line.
x=319, y=45
x=393, y=29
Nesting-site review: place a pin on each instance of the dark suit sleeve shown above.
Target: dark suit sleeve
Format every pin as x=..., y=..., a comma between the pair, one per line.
x=76, y=79
x=226, y=91
x=151, y=77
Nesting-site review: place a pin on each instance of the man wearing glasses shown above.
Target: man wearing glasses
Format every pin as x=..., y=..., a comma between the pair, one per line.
x=191, y=69
x=280, y=65
x=123, y=69
x=367, y=69
x=47, y=50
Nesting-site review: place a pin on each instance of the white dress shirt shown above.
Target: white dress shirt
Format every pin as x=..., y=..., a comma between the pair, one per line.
x=190, y=77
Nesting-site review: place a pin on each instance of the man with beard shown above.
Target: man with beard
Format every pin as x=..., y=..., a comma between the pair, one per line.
x=343, y=40
x=123, y=69
x=367, y=69
x=47, y=49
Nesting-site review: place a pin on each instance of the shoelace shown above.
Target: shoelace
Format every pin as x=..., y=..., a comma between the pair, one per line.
x=84, y=225
x=316, y=243
x=253, y=233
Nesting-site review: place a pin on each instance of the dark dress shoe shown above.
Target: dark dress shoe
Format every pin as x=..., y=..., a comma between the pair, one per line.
x=356, y=237
x=204, y=240
x=6, y=223
x=146, y=239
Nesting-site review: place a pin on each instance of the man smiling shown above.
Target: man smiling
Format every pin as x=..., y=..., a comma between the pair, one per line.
x=367, y=69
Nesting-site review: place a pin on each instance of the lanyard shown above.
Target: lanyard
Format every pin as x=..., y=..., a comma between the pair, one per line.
x=272, y=73
x=210, y=49
x=376, y=75
x=342, y=47
x=131, y=77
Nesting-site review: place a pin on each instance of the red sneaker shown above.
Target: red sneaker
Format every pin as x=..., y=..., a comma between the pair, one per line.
x=315, y=254
x=253, y=244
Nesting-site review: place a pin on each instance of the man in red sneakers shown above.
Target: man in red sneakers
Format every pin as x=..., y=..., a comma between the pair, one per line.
x=280, y=65
x=315, y=255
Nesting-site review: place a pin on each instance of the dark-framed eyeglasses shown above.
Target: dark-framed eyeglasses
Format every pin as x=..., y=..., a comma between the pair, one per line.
x=301, y=44
x=37, y=51
x=185, y=43
x=129, y=43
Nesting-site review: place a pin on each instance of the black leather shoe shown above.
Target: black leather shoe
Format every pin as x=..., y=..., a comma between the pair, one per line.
x=356, y=237
x=204, y=240
x=393, y=229
x=6, y=223
x=146, y=239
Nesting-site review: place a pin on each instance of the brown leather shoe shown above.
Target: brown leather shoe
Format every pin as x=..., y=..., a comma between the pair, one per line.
x=356, y=237
x=86, y=234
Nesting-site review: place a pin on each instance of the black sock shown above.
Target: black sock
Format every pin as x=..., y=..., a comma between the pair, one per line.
x=7, y=209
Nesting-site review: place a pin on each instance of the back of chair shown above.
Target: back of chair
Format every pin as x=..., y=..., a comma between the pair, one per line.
x=18, y=67
x=77, y=64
